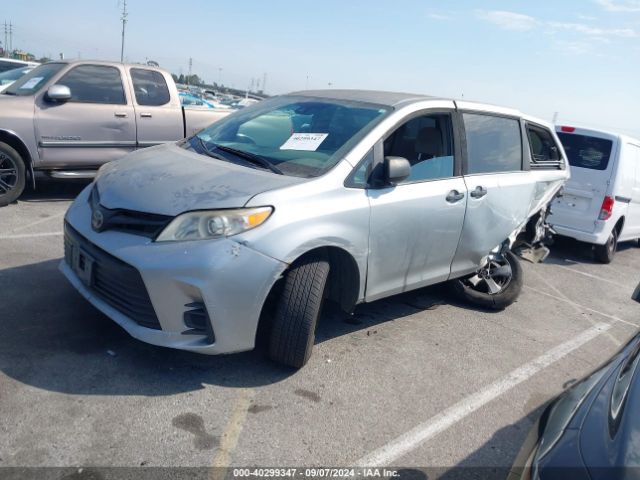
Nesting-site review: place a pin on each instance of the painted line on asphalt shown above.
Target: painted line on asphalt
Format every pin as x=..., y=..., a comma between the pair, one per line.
x=571, y=302
x=38, y=222
x=577, y=309
x=595, y=277
x=30, y=235
x=415, y=437
x=231, y=434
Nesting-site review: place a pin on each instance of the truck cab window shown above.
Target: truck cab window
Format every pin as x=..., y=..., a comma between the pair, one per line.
x=427, y=142
x=150, y=87
x=95, y=84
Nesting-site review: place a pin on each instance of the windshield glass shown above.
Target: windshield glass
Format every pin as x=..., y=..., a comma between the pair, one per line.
x=33, y=81
x=301, y=136
x=586, y=152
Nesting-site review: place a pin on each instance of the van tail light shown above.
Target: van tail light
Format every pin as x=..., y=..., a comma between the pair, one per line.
x=568, y=129
x=607, y=208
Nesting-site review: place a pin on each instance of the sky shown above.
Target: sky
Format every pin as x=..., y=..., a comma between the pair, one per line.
x=577, y=58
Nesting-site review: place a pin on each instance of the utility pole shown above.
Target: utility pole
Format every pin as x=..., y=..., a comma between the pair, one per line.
x=190, y=65
x=10, y=37
x=124, y=22
x=264, y=82
x=6, y=45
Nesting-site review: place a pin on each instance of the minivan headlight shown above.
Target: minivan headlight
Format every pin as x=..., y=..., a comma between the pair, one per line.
x=207, y=224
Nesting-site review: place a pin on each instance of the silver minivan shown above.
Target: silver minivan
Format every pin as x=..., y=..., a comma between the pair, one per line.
x=342, y=196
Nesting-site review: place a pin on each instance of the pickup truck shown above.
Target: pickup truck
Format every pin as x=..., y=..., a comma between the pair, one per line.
x=67, y=118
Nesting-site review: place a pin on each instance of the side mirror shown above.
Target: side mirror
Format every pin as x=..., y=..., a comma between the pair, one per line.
x=396, y=169
x=58, y=93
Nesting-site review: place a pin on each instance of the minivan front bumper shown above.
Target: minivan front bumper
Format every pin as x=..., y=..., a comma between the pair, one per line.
x=231, y=280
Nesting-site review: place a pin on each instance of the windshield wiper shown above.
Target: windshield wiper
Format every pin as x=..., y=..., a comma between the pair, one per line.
x=207, y=151
x=252, y=157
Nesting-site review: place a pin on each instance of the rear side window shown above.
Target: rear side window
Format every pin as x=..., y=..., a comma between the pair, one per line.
x=584, y=151
x=95, y=84
x=545, y=154
x=494, y=144
x=150, y=87
x=6, y=66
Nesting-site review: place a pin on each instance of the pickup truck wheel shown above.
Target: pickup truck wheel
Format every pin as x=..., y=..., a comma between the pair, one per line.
x=12, y=174
x=605, y=253
x=299, y=307
x=495, y=286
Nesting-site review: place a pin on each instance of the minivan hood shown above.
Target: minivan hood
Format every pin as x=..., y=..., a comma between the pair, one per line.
x=169, y=180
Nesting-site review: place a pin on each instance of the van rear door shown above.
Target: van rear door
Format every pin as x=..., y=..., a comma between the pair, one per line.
x=592, y=159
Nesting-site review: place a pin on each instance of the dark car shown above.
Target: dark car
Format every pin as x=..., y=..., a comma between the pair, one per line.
x=592, y=430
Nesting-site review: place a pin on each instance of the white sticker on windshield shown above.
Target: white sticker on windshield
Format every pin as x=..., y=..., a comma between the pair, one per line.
x=31, y=83
x=304, y=141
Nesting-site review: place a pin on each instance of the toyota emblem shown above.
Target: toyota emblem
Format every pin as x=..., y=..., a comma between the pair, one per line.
x=97, y=220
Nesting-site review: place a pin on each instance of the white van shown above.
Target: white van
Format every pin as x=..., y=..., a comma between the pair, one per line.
x=601, y=201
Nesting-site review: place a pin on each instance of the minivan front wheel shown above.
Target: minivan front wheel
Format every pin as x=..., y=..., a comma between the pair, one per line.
x=605, y=253
x=293, y=330
x=12, y=174
x=495, y=286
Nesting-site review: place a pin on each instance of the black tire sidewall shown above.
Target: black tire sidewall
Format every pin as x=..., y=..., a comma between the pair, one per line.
x=292, y=333
x=15, y=192
x=602, y=252
x=498, y=301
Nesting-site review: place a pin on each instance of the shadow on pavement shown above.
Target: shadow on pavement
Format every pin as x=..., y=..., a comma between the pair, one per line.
x=52, y=338
x=50, y=190
x=567, y=251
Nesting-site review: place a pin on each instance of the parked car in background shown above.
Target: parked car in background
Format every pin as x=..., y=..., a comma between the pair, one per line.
x=591, y=430
x=601, y=202
x=10, y=76
x=190, y=100
x=67, y=118
x=349, y=196
x=7, y=64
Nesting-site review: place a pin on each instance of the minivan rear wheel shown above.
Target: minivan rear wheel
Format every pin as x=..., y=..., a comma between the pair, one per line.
x=299, y=307
x=605, y=253
x=12, y=175
x=495, y=286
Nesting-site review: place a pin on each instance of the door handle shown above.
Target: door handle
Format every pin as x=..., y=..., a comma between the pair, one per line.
x=120, y=114
x=146, y=115
x=479, y=192
x=454, y=196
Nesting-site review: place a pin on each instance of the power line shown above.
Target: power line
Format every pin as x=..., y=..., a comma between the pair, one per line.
x=124, y=23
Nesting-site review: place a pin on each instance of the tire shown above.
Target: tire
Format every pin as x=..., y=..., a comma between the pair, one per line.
x=605, y=253
x=299, y=307
x=475, y=289
x=12, y=175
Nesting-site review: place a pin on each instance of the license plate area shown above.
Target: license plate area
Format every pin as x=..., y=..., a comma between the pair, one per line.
x=82, y=264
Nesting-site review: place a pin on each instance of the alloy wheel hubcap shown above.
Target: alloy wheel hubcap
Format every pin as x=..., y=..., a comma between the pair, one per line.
x=493, y=278
x=8, y=173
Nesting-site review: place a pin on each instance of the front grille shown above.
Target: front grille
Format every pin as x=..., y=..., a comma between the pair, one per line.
x=114, y=281
x=129, y=221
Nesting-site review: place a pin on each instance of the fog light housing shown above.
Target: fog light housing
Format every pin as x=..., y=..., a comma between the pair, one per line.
x=196, y=318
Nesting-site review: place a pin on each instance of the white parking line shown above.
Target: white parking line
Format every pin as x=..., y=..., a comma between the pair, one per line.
x=571, y=302
x=413, y=438
x=38, y=222
x=30, y=235
x=593, y=276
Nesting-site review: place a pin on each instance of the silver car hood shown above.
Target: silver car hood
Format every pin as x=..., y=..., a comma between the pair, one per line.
x=170, y=180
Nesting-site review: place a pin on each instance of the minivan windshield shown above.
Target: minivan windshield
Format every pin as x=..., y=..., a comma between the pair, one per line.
x=300, y=136
x=584, y=151
x=33, y=81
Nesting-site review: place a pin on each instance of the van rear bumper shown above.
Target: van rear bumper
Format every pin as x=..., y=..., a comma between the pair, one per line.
x=598, y=237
